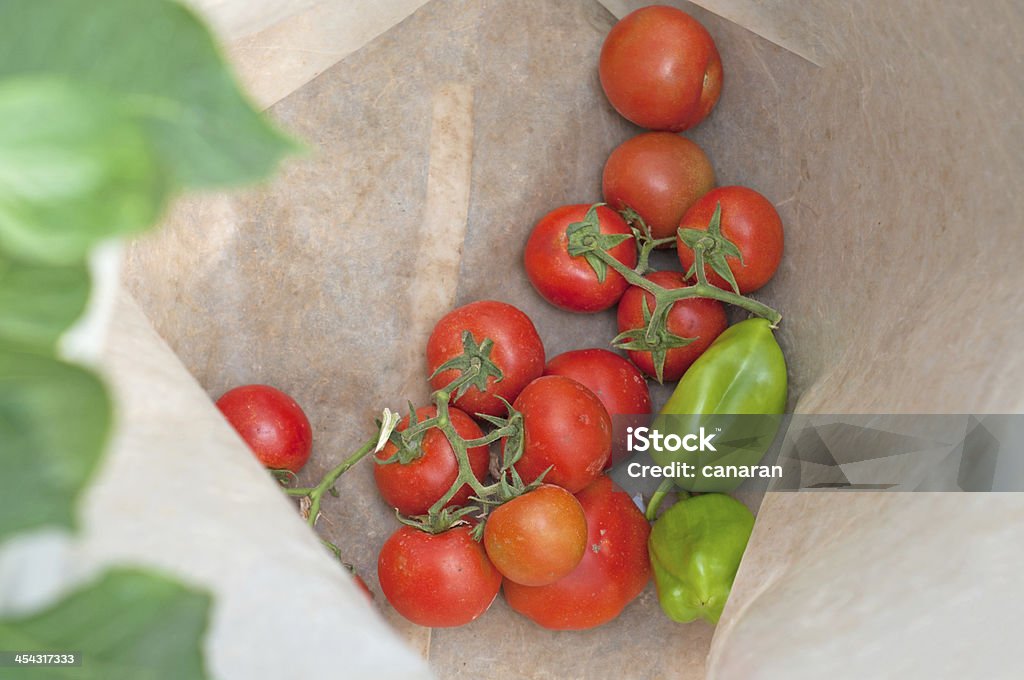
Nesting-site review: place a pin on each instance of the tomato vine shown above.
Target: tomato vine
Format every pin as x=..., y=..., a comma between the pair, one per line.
x=711, y=248
x=475, y=368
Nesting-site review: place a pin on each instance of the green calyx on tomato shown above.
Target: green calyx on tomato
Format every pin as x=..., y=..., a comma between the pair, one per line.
x=742, y=235
x=474, y=366
x=738, y=386
x=695, y=549
x=585, y=236
x=715, y=248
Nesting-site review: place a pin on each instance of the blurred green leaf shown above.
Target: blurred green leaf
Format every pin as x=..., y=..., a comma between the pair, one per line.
x=73, y=171
x=38, y=302
x=128, y=625
x=54, y=422
x=158, y=59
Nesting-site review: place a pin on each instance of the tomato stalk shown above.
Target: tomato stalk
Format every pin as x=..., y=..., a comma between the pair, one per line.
x=475, y=370
x=709, y=248
x=665, y=297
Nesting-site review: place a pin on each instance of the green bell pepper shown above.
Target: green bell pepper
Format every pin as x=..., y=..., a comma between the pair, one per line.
x=737, y=390
x=695, y=549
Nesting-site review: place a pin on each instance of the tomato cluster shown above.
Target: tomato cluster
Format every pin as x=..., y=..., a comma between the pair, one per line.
x=549, y=533
x=568, y=548
x=661, y=70
x=500, y=482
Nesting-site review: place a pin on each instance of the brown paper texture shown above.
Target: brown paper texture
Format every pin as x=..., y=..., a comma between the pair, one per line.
x=886, y=137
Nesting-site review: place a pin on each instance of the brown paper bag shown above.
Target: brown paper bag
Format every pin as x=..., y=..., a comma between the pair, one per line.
x=882, y=135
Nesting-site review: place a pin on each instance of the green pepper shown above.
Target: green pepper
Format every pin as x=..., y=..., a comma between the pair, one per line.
x=735, y=391
x=695, y=549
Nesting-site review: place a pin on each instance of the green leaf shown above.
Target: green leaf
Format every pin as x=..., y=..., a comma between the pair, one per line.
x=73, y=170
x=128, y=625
x=54, y=422
x=156, y=55
x=38, y=303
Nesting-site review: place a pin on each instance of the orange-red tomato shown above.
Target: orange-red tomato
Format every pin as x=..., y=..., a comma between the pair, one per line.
x=537, y=538
x=660, y=69
x=659, y=175
x=615, y=567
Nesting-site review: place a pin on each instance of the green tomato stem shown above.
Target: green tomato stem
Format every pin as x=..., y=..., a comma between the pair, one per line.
x=665, y=297
x=316, y=494
x=299, y=491
x=648, y=246
x=491, y=437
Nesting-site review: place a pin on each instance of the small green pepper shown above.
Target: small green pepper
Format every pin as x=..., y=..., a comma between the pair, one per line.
x=695, y=549
x=735, y=390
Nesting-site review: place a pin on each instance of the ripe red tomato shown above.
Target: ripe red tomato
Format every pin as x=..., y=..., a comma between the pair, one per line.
x=700, y=318
x=271, y=423
x=537, y=538
x=751, y=222
x=564, y=426
x=569, y=282
x=660, y=69
x=413, y=487
x=615, y=567
x=621, y=388
x=659, y=175
x=518, y=352
x=437, y=580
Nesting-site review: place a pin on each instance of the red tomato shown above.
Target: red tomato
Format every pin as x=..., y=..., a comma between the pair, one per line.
x=271, y=423
x=751, y=222
x=518, y=352
x=659, y=175
x=700, y=318
x=615, y=567
x=413, y=487
x=537, y=538
x=621, y=388
x=660, y=69
x=569, y=282
x=437, y=580
x=565, y=427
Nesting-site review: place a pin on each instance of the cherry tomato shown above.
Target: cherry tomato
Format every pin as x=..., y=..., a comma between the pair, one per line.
x=415, y=486
x=659, y=175
x=700, y=318
x=615, y=567
x=567, y=281
x=537, y=538
x=751, y=222
x=518, y=352
x=565, y=427
x=660, y=69
x=437, y=580
x=621, y=388
x=271, y=423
